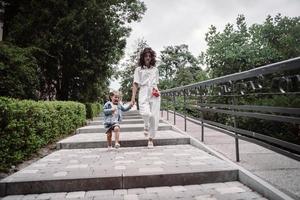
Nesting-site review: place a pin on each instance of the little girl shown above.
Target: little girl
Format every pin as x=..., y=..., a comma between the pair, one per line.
x=113, y=116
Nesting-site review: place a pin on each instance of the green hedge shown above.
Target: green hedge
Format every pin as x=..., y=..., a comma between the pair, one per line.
x=26, y=126
x=92, y=110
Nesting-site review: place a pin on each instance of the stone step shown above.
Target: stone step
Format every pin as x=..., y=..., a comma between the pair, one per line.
x=70, y=170
x=124, y=128
x=125, y=121
x=124, y=117
x=131, y=112
x=128, y=113
x=211, y=191
x=127, y=139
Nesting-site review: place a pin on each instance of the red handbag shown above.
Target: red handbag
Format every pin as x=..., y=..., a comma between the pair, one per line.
x=155, y=92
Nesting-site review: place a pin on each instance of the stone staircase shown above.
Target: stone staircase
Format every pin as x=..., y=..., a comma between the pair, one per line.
x=83, y=168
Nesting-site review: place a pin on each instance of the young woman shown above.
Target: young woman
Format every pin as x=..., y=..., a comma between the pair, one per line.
x=146, y=78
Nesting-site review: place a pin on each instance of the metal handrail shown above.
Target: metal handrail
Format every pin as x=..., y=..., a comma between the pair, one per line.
x=262, y=81
x=286, y=65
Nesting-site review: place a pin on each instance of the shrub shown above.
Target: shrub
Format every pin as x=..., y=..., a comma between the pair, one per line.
x=92, y=110
x=26, y=126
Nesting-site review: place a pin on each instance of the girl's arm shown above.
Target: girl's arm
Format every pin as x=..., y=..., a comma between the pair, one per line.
x=108, y=111
x=125, y=108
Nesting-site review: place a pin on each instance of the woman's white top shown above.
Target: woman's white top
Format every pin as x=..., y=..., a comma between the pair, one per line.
x=146, y=76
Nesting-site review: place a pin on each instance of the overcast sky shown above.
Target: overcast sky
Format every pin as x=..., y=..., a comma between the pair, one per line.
x=175, y=22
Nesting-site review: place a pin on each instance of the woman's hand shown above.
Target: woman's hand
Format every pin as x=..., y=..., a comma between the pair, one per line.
x=155, y=92
x=132, y=102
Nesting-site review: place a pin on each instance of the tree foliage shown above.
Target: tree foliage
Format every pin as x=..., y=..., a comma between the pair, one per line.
x=129, y=66
x=86, y=38
x=179, y=67
x=241, y=48
x=19, y=72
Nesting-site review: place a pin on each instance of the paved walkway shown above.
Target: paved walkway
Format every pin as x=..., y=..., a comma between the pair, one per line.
x=172, y=170
x=279, y=170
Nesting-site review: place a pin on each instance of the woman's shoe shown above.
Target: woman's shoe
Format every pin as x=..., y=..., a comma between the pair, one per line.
x=117, y=145
x=150, y=144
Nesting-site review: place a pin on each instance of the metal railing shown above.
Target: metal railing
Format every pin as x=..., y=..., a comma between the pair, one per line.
x=261, y=105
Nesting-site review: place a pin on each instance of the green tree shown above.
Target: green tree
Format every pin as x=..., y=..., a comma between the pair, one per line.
x=242, y=48
x=87, y=38
x=179, y=67
x=19, y=72
x=129, y=66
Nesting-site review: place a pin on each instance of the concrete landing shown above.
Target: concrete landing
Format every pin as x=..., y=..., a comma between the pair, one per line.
x=100, y=169
x=127, y=139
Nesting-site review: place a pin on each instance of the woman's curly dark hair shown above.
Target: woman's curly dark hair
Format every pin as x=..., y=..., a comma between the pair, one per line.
x=142, y=55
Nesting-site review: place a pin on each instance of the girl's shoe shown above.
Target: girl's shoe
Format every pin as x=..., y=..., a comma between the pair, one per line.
x=150, y=144
x=117, y=145
x=109, y=148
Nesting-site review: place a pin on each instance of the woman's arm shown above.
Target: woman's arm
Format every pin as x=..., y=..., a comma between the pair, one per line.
x=134, y=90
x=135, y=84
x=157, y=81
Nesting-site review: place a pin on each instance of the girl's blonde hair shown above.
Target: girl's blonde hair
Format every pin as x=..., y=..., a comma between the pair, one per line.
x=113, y=93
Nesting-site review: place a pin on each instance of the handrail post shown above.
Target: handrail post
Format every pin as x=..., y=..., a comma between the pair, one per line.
x=237, y=150
x=168, y=108
x=200, y=101
x=184, y=102
x=174, y=103
x=202, y=131
x=162, y=109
